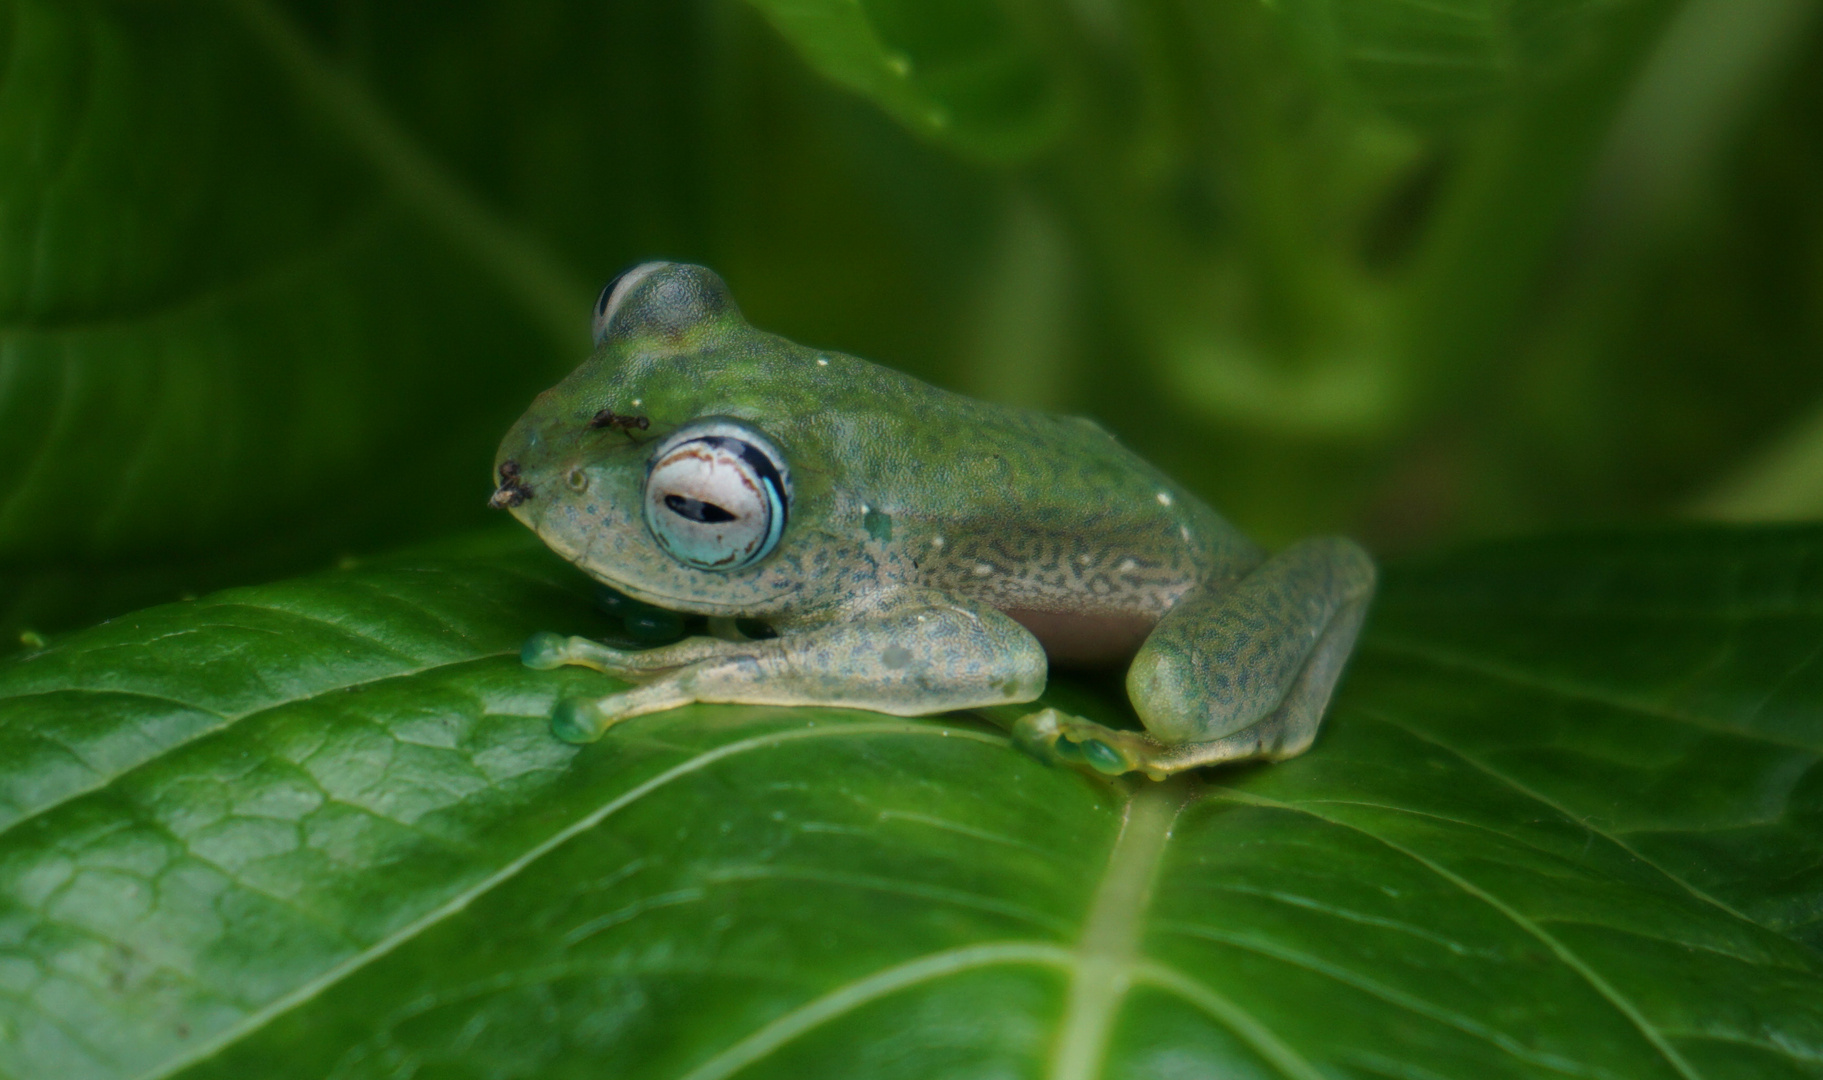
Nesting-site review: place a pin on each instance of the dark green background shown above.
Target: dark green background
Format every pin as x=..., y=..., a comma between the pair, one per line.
x=274, y=276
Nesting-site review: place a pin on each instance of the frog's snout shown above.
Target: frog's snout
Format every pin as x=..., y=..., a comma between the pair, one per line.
x=512, y=490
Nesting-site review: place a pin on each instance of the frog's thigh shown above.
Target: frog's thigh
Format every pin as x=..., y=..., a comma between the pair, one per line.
x=920, y=655
x=1247, y=672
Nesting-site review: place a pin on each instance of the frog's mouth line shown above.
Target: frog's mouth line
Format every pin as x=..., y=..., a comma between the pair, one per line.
x=670, y=603
x=575, y=556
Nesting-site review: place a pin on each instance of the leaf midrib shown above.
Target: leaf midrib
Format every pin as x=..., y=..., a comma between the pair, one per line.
x=1103, y=966
x=1110, y=938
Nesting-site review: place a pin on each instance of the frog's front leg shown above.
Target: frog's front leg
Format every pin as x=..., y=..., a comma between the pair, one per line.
x=1237, y=674
x=915, y=654
x=545, y=651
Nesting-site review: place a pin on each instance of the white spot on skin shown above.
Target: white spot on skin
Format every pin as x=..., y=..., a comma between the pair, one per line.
x=637, y=402
x=1164, y=498
x=983, y=569
x=936, y=541
x=1128, y=564
x=822, y=361
x=1085, y=559
x=1184, y=531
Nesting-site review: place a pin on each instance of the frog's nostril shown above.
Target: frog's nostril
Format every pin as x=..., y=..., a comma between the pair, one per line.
x=578, y=480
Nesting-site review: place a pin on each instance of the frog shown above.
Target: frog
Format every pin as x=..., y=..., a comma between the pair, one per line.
x=905, y=549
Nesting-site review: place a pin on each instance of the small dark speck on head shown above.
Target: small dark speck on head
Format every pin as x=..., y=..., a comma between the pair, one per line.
x=608, y=418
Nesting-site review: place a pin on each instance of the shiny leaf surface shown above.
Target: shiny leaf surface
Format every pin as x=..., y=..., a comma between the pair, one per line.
x=1564, y=821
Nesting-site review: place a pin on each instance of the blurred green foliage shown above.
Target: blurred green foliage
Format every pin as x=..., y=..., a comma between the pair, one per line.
x=274, y=275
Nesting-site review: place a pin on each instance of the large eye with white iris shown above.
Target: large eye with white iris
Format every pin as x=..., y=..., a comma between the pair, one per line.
x=717, y=495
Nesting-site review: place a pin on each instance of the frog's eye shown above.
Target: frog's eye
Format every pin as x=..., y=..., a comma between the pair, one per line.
x=662, y=298
x=616, y=291
x=717, y=495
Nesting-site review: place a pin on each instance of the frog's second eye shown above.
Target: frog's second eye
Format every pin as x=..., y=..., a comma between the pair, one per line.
x=716, y=496
x=616, y=291
x=660, y=298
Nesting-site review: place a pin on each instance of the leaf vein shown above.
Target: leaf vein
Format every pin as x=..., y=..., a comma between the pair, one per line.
x=1257, y=1035
x=511, y=870
x=1584, y=823
x=1392, y=996
x=1592, y=978
x=1580, y=693
x=853, y=995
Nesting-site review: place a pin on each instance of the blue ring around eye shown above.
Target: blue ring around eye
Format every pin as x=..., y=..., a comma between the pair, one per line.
x=777, y=506
x=772, y=485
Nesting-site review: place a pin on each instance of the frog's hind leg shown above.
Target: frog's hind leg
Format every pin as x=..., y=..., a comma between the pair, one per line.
x=1290, y=728
x=1236, y=674
x=1245, y=673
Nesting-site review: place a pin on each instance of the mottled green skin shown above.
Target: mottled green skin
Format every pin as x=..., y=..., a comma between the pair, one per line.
x=922, y=525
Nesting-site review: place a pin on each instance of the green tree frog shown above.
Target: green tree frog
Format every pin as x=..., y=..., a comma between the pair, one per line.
x=912, y=550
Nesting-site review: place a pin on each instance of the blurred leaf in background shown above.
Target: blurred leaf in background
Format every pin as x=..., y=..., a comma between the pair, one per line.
x=275, y=274
x=276, y=279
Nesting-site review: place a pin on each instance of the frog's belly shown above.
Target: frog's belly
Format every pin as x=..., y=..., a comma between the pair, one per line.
x=1086, y=639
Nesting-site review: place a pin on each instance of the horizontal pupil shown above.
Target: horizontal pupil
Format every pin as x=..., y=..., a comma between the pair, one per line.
x=696, y=509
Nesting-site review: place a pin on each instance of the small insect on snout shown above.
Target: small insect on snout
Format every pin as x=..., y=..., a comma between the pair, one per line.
x=512, y=490
x=608, y=418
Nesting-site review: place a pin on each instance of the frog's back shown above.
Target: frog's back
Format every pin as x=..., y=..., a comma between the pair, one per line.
x=1045, y=517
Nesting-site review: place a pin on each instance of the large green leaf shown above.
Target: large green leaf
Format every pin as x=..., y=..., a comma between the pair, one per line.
x=1564, y=821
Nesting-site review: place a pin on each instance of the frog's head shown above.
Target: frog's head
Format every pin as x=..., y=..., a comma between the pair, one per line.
x=660, y=465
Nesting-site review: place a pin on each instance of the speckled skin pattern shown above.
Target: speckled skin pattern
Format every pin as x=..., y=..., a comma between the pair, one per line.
x=936, y=548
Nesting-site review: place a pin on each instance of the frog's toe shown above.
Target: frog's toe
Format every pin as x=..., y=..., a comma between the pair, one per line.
x=544, y=651
x=1104, y=758
x=578, y=720
x=1040, y=734
x=1056, y=738
x=584, y=720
